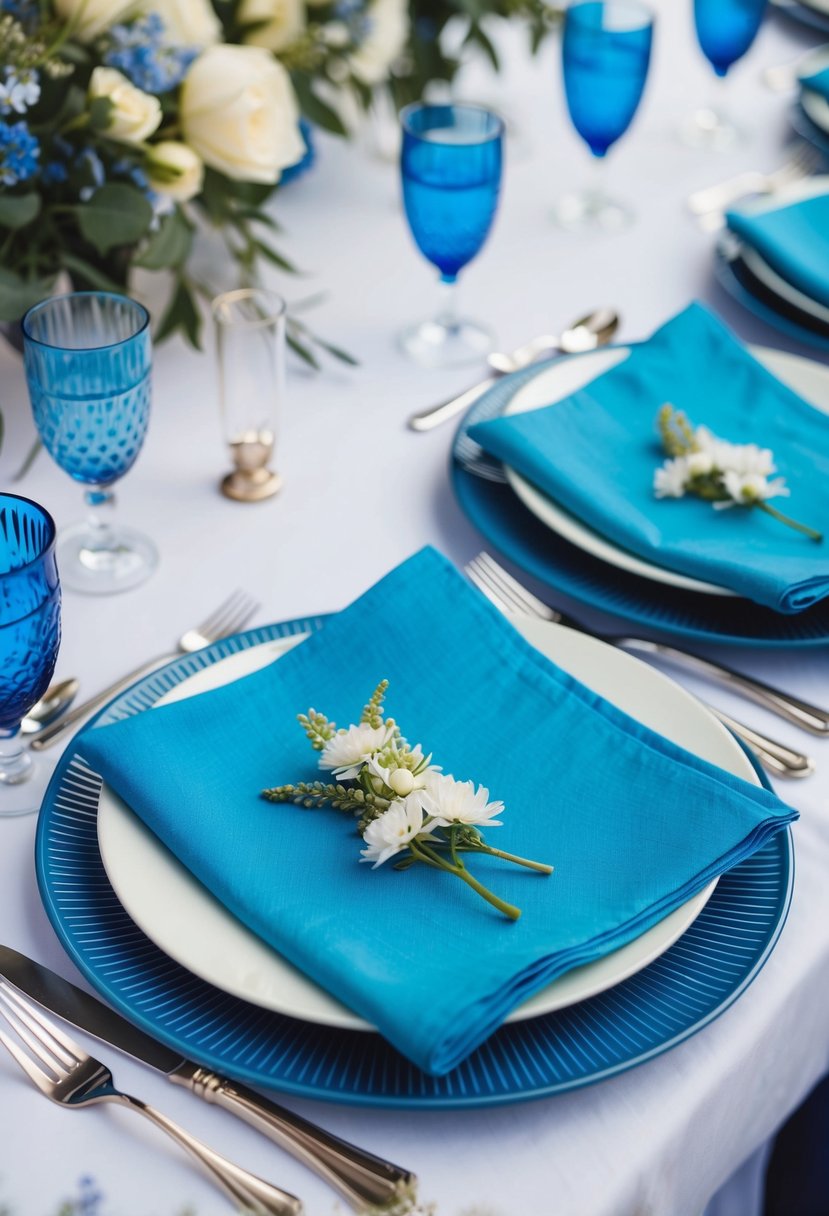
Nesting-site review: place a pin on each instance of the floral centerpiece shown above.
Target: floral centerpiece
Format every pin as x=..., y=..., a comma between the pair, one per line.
x=125, y=128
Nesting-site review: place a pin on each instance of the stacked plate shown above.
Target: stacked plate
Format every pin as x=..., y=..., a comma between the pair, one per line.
x=174, y=961
x=548, y=542
x=764, y=285
x=813, y=13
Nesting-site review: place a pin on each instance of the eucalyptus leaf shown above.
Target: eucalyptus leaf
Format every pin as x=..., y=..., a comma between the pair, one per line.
x=181, y=315
x=314, y=109
x=89, y=276
x=18, y=294
x=116, y=214
x=169, y=246
x=18, y=210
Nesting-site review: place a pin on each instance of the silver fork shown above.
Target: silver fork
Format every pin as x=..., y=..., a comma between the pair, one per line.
x=715, y=199
x=229, y=617
x=514, y=599
x=63, y=1071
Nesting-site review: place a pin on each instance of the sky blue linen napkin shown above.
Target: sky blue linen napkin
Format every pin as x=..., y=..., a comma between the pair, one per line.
x=595, y=453
x=793, y=239
x=633, y=824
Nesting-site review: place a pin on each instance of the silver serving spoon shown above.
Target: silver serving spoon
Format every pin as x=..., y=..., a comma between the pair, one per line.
x=588, y=332
x=57, y=698
x=596, y=329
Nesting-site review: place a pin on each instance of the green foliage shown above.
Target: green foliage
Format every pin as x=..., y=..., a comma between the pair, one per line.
x=19, y=292
x=372, y=714
x=18, y=210
x=169, y=246
x=116, y=214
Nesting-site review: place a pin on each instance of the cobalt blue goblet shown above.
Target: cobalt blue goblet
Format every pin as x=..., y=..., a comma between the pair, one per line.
x=725, y=31
x=29, y=639
x=88, y=361
x=606, y=50
x=451, y=161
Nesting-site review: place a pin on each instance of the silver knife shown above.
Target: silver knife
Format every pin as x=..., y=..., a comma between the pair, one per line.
x=364, y=1180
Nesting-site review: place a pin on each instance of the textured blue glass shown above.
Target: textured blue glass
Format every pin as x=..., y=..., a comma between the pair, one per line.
x=606, y=52
x=726, y=29
x=29, y=607
x=88, y=361
x=451, y=165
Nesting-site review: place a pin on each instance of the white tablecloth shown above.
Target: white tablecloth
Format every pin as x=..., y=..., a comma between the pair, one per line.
x=361, y=492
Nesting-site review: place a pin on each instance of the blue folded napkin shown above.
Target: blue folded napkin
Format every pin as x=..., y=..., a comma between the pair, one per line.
x=793, y=238
x=633, y=824
x=817, y=82
x=595, y=453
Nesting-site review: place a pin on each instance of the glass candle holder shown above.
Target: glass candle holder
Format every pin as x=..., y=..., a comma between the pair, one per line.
x=250, y=344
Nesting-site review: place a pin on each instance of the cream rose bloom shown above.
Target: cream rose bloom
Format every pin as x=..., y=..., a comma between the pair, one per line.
x=279, y=22
x=239, y=113
x=93, y=16
x=388, y=29
x=188, y=22
x=174, y=170
x=134, y=114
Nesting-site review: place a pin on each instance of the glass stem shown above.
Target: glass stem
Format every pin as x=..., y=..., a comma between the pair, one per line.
x=101, y=503
x=15, y=761
x=448, y=316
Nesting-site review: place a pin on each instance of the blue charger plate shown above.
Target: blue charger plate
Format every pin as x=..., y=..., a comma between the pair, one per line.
x=565, y=569
x=682, y=991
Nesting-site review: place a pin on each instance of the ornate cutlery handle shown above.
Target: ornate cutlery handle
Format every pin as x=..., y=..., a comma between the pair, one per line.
x=249, y=1193
x=802, y=713
x=364, y=1180
x=774, y=756
x=439, y=414
x=56, y=730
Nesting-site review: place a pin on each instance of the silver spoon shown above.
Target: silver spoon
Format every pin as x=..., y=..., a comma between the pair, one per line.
x=57, y=698
x=588, y=332
x=596, y=329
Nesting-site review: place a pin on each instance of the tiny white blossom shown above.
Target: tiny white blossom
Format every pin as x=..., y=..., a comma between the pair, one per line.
x=747, y=488
x=18, y=92
x=391, y=832
x=451, y=801
x=347, y=751
x=671, y=478
x=699, y=463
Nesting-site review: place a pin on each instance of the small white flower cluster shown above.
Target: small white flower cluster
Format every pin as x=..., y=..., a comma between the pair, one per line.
x=742, y=471
x=404, y=803
x=426, y=798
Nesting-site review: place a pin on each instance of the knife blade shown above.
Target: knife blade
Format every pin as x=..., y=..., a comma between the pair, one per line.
x=363, y=1179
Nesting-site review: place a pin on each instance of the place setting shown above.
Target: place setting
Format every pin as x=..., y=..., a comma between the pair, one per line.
x=383, y=823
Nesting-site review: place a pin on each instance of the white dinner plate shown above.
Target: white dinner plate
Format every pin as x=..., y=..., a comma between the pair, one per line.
x=192, y=927
x=565, y=376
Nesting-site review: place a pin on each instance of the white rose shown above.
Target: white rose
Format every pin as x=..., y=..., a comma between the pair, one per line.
x=388, y=29
x=174, y=170
x=239, y=113
x=189, y=22
x=91, y=17
x=134, y=114
x=278, y=22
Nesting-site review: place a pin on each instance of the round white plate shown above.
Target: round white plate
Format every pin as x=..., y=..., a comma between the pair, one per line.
x=809, y=379
x=192, y=927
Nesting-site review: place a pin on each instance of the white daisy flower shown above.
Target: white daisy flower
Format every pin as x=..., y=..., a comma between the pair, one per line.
x=747, y=488
x=391, y=832
x=671, y=478
x=348, y=750
x=451, y=801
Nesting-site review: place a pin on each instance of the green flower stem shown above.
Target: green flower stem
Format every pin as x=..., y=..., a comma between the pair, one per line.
x=791, y=523
x=540, y=866
x=424, y=853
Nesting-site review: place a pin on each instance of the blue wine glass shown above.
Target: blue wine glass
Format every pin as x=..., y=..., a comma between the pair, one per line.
x=88, y=363
x=606, y=51
x=29, y=640
x=451, y=161
x=725, y=31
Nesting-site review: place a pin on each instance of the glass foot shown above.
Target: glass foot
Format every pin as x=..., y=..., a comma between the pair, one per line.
x=437, y=344
x=592, y=211
x=708, y=128
x=23, y=792
x=99, y=565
